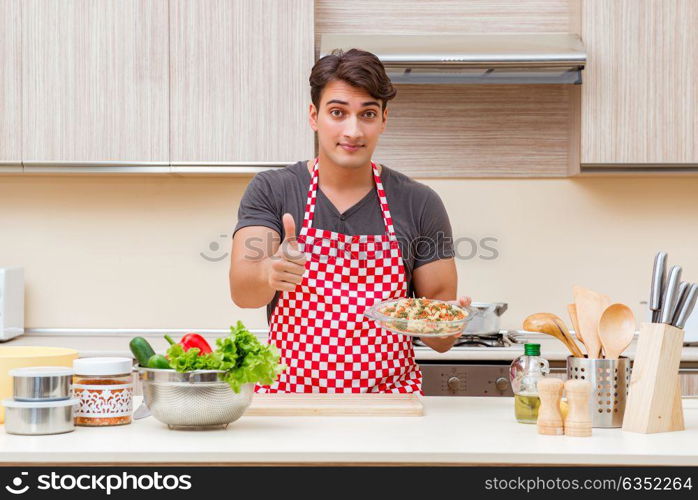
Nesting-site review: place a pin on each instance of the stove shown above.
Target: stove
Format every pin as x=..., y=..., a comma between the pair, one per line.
x=469, y=377
x=502, y=338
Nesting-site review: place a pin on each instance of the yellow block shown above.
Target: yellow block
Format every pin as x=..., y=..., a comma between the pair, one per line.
x=21, y=356
x=564, y=409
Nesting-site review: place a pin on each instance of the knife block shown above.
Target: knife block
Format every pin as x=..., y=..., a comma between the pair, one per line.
x=654, y=400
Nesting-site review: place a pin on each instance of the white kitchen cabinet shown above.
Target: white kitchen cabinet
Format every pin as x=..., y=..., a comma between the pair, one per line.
x=239, y=83
x=95, y=83
x=640, y=91
x=10, y=87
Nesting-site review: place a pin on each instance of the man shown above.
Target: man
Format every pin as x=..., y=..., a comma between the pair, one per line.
x=319, y=241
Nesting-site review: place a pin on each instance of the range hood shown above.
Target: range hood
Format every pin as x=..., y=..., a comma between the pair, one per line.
x=474, y=59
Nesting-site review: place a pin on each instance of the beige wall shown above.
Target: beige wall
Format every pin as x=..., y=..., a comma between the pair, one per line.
x=118, y=252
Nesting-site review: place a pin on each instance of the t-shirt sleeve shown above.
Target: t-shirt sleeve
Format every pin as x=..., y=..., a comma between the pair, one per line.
x=260, y=206
x=435, y=240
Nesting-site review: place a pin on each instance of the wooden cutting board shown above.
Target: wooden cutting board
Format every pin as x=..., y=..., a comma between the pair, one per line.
x=350, y=405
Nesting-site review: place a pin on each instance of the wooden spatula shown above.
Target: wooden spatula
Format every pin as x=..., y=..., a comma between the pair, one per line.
x=616, y=329
x=572, y=311
x=590, y=305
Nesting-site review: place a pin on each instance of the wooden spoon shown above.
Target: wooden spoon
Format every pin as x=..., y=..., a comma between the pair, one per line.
x=551, y=324
x=616, y=329
x=590, y=305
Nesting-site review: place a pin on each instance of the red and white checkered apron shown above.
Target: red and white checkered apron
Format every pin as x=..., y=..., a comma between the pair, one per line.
x=319, y=328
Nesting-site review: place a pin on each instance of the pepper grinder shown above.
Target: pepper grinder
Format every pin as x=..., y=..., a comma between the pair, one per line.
x=549, y=416
x=578, y=421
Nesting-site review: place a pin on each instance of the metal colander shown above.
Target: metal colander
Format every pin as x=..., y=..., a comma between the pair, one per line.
x=193, y=399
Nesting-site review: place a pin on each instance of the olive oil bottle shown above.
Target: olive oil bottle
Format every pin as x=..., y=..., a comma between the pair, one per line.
x=524, y=373
x=526, y=408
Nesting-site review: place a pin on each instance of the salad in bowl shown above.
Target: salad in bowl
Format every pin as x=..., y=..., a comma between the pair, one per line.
x=420, y=317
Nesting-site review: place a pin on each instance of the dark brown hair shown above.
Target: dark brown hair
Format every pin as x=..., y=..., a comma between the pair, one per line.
x=358, y=68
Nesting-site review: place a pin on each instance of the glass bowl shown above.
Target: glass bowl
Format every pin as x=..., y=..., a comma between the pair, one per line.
x=419, y=327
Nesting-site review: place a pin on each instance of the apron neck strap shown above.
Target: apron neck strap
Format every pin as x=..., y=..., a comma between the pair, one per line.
x=312, y=199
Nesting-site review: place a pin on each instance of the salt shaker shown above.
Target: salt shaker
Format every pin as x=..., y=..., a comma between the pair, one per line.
x=549, y=416
x=578, y=421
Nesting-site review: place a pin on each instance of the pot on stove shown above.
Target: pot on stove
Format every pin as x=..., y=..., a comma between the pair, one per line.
x=486, y=317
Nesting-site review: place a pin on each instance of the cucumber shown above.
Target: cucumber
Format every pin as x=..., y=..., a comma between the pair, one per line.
x=141, y=350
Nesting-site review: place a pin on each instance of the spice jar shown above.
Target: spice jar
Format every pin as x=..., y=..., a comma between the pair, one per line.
x=104, y=387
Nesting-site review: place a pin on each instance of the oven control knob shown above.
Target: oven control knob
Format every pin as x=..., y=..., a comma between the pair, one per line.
x=453, y=383
x=502, y=384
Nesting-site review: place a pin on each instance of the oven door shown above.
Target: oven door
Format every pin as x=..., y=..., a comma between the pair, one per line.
x=489, y=378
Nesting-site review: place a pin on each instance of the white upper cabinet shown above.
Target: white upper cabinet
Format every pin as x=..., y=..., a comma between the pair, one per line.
x=239, y=81
x=10, y=87
x=95, y=81
x=640, y=91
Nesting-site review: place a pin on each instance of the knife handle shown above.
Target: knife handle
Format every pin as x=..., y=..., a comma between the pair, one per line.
x=671, y=297
x=680, y=301
x=658, y=279
x=688, y=305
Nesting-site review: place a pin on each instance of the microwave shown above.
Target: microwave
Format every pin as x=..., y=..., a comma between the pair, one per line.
x=11, y=302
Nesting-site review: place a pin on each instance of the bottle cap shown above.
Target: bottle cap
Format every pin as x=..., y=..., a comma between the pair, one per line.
x=532, y=349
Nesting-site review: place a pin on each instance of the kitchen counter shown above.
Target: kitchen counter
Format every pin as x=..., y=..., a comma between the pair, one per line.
x=453, y=431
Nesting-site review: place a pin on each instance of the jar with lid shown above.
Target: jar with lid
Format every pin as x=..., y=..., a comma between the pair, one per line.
x=104, y=387
x=524, y=373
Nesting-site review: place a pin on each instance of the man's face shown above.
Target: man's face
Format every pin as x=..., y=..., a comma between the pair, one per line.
x=348, y=124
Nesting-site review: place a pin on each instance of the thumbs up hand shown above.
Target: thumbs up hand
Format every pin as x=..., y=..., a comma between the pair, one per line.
x=289, y=231
x=287, y=265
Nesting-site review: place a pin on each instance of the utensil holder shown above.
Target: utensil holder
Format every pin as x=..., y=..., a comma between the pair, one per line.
x=609, y=387
x=654, y=401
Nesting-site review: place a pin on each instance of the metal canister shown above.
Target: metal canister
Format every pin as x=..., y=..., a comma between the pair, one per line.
x=41, y=383
x=609, y=380
x=39, y=417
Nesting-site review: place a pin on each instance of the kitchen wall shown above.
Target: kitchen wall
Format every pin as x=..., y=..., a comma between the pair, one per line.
x=131, y=252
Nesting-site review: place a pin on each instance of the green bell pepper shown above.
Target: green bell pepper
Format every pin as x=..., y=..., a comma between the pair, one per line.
x=159, y=362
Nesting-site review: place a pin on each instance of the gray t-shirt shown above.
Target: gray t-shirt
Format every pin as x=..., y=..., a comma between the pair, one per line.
x=419, y=217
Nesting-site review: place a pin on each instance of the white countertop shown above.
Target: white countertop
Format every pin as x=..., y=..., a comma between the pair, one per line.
x=454, y=430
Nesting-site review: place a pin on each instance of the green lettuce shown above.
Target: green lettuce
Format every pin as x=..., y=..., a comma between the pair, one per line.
x=243, y=358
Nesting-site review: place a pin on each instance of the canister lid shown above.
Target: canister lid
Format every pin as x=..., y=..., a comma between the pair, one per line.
x=11, y=403
x=41, y=371
x=102, y=366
